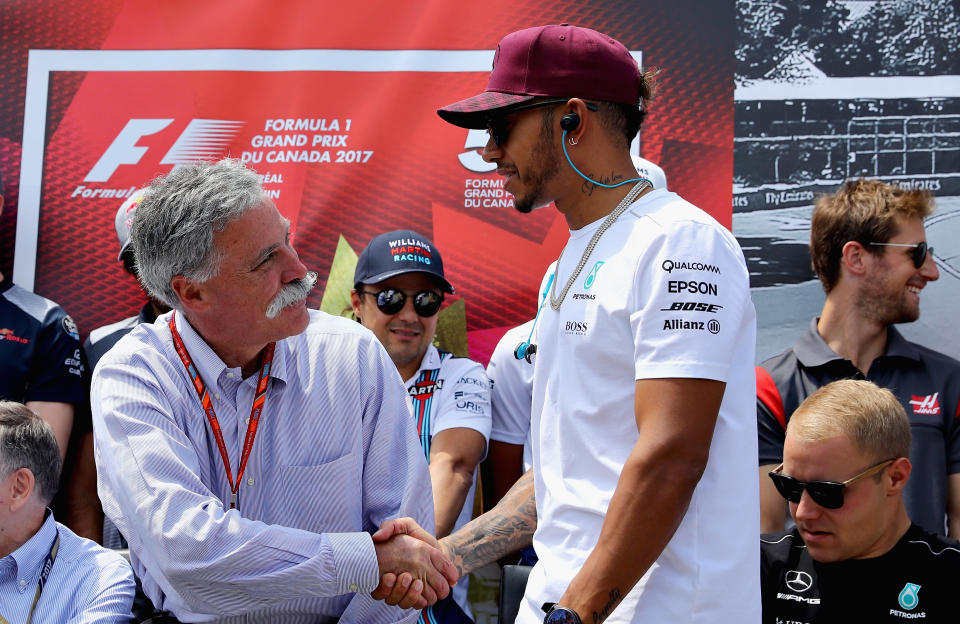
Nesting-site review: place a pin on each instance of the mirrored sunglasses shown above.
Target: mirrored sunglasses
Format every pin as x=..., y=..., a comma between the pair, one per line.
x=918, y=254
x=827, y=494
x=426, y=303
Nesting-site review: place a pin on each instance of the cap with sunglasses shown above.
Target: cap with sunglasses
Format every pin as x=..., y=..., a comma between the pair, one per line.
x=551, y=61
x=398, y=252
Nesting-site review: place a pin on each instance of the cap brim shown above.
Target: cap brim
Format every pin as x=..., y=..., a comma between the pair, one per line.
x=474, y=111
x=376, y=279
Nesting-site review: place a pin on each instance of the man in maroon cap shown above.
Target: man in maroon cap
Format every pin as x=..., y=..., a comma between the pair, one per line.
x=643, y=420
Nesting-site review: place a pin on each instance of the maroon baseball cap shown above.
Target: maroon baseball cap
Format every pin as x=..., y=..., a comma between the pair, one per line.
x=558, y=61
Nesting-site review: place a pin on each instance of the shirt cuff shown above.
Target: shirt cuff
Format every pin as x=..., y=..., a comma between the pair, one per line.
x=355, y=561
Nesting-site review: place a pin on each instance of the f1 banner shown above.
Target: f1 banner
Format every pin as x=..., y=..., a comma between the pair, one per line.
x=334, y=105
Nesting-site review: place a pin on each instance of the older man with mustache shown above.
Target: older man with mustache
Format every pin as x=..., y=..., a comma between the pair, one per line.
x=247, y=446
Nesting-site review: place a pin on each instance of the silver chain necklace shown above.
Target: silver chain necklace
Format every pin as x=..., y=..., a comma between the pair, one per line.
x=613, y=216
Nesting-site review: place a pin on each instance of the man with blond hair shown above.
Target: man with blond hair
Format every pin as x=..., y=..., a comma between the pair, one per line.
x=853, y=555
x=869, y=249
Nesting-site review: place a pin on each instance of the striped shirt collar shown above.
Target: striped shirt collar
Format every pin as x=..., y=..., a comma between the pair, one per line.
x=209, y=364
x=29, y=558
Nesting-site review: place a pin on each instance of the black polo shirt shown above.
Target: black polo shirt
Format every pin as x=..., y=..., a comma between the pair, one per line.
x=39, y=349
x=926, y=383
x=914, y=582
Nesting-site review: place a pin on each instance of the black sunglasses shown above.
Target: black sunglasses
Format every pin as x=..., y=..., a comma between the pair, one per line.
x=426, y=303
x=497, y=125
x=827, y=494
x=918, y=254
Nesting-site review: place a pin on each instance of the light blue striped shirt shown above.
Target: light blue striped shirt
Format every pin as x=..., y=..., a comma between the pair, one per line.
x=334, y=457
x=87, y=582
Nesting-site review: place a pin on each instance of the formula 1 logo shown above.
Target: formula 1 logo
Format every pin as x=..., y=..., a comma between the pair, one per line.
x=927, y=405
x=202, y=139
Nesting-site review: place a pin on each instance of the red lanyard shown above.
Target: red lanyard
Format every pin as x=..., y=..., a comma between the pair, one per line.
x=258, y=402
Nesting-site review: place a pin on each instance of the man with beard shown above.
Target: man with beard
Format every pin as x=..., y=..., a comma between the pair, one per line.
x=398, y=290
x=263, y=517
x=869, y=249
x=642, y=414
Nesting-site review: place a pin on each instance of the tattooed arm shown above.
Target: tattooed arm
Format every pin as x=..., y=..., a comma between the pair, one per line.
x=504, y=529
x=507, y=527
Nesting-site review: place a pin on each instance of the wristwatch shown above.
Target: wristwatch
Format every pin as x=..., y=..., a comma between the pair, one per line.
x=561, y=615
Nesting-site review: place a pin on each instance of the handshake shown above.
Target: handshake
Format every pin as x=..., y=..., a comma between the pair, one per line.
x=415, y=569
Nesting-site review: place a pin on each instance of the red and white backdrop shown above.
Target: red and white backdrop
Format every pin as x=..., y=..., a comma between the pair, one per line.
x=334, y=103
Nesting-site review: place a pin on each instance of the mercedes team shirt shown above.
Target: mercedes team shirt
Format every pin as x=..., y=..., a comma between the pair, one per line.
x=926, y=383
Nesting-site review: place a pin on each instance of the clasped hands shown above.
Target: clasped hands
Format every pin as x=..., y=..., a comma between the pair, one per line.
x=415, y=571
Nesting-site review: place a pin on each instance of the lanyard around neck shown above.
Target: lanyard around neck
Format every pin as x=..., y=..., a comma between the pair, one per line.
x=259, y=400
x=44, y=573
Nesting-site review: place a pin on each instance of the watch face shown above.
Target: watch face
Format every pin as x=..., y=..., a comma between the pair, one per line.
x=560, y=615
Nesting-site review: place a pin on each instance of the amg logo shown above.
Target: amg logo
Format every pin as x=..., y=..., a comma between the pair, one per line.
x=812, y=601
x=584, y=296
x=682, y=324
x=575, y=327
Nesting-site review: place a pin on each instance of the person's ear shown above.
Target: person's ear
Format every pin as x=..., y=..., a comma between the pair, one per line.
x=21, y=488
x=192, y=294
x=854, y=258
x=897, y=475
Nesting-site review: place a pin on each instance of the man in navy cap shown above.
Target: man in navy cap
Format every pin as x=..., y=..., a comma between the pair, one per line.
x=642, y=414
x=399, y=288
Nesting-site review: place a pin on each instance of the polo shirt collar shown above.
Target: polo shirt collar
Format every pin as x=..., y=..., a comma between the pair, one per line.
x=429, y=361
x=812, y=350
x=30, y=557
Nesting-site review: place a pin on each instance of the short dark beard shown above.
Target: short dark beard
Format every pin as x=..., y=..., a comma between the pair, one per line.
x=544, y=153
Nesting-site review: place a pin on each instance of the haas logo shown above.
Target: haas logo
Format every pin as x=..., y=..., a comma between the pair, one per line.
x=927, y=405
x=202, y=139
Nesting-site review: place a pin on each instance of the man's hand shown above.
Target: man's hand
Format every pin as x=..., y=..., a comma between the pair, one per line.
x=414, y=572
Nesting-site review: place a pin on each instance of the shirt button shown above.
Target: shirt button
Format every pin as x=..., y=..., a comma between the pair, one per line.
x=230, y=375
x=247, y=421
x=250, y=481
x=217, y=395
x=353, y=587
x=22, y=583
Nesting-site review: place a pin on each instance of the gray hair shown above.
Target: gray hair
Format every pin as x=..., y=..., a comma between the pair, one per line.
x=26, y=441
x=174, y=225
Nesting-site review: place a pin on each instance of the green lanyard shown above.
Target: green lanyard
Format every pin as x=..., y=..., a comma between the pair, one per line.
x=44, y=573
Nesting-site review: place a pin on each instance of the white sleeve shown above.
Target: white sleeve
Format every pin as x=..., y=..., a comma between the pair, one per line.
x=690, y=296
x=511, y=388
x=466, y=398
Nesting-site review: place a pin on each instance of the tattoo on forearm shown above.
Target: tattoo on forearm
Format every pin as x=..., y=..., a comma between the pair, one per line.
x=588, y=187
x=602, y=614
x=507, y=527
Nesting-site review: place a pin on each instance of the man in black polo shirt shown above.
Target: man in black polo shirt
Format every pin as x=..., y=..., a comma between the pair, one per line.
x=869, y=249
x=40, y=362
x=854, y=555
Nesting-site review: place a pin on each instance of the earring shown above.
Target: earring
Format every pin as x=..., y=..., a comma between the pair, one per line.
x=572, y=141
